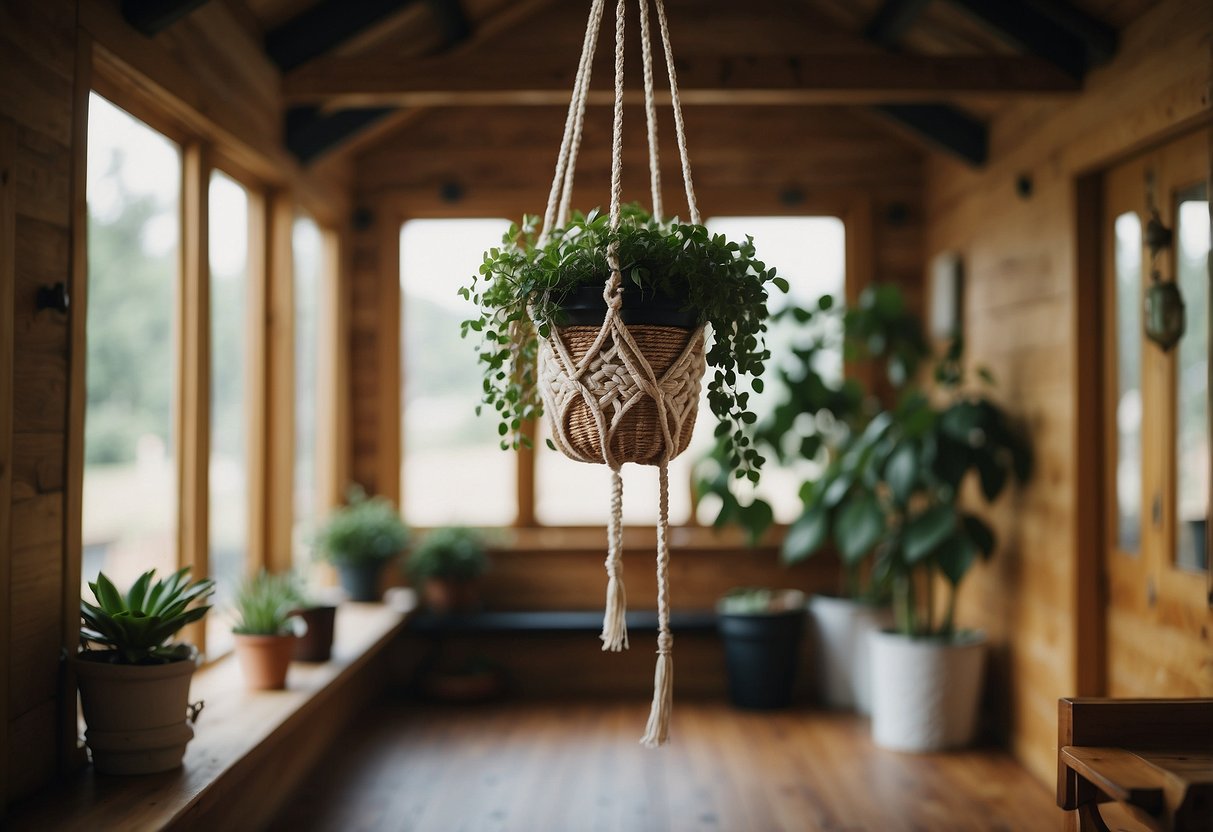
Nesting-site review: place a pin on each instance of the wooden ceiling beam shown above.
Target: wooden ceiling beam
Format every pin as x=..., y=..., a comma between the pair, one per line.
x=322, y=27
x=893, y=20
x=1049, y=29
x=151, y=17
x=704, y=80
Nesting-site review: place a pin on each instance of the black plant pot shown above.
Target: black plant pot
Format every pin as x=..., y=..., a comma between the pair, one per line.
x=762, y=654
x=360, y=580
x=584, y=306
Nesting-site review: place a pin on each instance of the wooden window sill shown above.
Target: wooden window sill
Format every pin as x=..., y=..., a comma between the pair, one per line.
x=237, y=731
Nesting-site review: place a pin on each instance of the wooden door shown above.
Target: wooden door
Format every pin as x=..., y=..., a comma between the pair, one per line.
x=1158, y=620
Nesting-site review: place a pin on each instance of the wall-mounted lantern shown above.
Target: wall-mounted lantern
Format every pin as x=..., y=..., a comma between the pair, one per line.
x=1163, y=316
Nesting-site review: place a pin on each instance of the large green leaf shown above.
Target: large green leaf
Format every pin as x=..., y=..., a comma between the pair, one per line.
x=927, y=530
x=756, y=518
x=993, y=476
x=859, y=527
x=806, y=535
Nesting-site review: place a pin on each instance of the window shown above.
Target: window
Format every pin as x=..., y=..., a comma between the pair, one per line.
x=1128, y=404
x=130, y=471
x=228, y=474
x=307, y=253
x=1192, y=384
x=150, y=501
x=453, y=470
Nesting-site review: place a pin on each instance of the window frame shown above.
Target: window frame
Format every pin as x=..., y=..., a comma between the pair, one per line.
x=269, y=356
x=854, y=211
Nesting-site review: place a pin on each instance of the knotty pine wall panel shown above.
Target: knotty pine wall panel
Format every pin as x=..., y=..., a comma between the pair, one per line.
x=1021, y=306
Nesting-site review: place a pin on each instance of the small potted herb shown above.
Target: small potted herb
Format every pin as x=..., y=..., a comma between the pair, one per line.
x=134, y=680
x=265, y=641
x=359, y=539
x=446, y=565
x=762, y=631
x=676, y=278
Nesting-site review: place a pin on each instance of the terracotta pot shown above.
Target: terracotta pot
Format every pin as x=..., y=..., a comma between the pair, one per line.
x=265, y=660
x=316, y=643
x=136, y=714
x=443, y=595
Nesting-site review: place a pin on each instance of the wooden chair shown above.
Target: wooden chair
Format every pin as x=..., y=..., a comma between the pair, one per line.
x=1152, y=756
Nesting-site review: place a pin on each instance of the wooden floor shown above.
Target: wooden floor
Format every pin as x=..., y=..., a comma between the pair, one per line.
x=551, y=767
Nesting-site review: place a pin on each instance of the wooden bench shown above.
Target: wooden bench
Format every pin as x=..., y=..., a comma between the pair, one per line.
x=1154, y=757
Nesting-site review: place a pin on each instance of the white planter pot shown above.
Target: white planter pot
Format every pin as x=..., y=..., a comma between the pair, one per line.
x=925, y=692
x=841, y=628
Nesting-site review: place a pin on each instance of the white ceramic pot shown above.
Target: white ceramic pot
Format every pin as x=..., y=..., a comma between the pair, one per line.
x=841, y=628
x=925, y=692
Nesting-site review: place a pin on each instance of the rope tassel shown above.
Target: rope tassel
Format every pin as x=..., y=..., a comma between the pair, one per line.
x=657, y=732
x=615, y=623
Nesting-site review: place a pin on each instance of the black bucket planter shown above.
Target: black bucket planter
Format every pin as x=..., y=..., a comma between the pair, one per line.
x=360, y=580
x=762, y=654
x=584, y=306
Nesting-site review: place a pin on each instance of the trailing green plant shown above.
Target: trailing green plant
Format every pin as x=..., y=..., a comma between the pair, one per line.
x=136, y=628
x=818, y=410
x=896, y=490
x=455, y=553
x=365, y=530
x=264, y=603
x=521, y=286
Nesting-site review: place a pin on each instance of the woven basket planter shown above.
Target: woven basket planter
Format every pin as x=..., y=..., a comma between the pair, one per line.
x=676, y=357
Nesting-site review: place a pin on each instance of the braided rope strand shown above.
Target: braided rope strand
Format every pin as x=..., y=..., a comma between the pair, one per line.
x=657, y=731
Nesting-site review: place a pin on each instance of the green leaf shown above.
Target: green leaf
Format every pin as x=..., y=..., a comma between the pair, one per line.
x=859, y=527
x=901, y=472
x=755, y=518
x=108, y=596
x=993, y=476
x=926, y=531
x=781, y=284
x=955, y=556
x=134, y=598
x=806, y=536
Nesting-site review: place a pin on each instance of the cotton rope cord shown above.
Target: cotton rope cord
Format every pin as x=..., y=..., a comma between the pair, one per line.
x=650, y=110
x=566, y=159
x=612, y=377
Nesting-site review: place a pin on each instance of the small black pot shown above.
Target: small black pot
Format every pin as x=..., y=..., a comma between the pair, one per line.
x=360, y=580
x=316, y=643
x=584, y=306
x=762, y=654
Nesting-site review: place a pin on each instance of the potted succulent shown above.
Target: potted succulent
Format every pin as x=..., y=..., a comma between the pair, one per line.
x=815, y=415
x=265, y=640
x=675, y=278
x=899, y=485
x=134, y=680
x=359, y=539
x=762, y=631
x=446, y=565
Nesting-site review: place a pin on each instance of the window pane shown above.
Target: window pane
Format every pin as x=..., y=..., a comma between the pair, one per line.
x=453, y=470
x=1192, y=354
x=808, y=251
x=228, y=471
x=130, y=473
x=307, y=251
x=1128, y=381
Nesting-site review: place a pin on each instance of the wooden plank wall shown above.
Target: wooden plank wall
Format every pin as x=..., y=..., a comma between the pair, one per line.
x=1038, y=597
x=37, y=61
x=754, y=160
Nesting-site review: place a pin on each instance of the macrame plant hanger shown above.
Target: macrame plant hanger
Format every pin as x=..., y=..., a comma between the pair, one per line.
x=606, y=377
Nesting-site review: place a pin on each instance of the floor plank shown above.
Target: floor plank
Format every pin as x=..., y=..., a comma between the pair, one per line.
x=568, y=767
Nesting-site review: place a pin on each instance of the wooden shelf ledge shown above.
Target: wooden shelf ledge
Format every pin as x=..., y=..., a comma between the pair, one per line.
x=250, y=747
